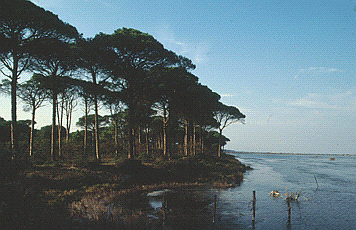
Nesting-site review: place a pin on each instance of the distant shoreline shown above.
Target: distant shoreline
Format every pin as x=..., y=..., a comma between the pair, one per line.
x=303, y=154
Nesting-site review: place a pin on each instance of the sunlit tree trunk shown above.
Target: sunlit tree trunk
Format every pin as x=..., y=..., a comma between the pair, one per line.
x=191, y=145
x=220, y=135
x=164, y=139
x=186, y=138
x=32, y=128
x=96, y=125
x=116, y=137
x=96, y=130
x=165, y=124
x=139, y=135
x=194, y=140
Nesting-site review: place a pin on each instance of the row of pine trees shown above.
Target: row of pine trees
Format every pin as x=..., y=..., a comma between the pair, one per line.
x=137, y=98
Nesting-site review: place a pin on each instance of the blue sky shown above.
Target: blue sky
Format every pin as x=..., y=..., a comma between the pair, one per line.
x=288, y=65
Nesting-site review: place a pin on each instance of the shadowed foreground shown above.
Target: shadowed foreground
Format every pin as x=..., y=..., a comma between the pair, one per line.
x=104, y=195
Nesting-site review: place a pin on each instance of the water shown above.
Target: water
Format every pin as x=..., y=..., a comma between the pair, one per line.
x=328, y=202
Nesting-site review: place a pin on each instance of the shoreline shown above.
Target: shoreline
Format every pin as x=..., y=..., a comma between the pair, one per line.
x=297, y=154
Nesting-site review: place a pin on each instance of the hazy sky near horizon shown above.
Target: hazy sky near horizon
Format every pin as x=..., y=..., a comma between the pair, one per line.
x=289, y=66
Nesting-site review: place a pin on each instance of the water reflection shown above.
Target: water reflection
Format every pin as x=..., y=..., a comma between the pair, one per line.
x=155, y=202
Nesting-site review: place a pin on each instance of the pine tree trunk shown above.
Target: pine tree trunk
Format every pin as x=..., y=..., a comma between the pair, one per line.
x=85, y=127
x=116, y=138
x=147, y=142
x=165, y=124
x=139, y=135
x=134, y=142
x=194, y=141
x=131, y=113
x=14, y=134
x=60, y=122
x=186, y=138
x=219, y=150
x=96, y=122
x=32, y=128
x=53, y=139
x=201, y=140
x=69, y=119
x=96, y=134
x=164, y=139
x=93, y=140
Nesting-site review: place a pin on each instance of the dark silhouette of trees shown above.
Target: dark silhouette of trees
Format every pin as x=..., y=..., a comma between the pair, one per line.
x=94, y=60
x=225, y=116
x=22, y=23
x=53, y=59
x=92, y=122
x=116, y=118
x=136, y=53
x=172, y=85
x=198, y=111
x=156, y=104
x=33, y=96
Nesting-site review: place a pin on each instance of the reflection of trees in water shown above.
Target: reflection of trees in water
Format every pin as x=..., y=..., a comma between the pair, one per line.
x=184, y=209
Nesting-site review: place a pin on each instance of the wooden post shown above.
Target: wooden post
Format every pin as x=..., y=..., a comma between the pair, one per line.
x=214, y=211
x=164, y=209
x=253, y=206
x=317, y=186
x=289, y=210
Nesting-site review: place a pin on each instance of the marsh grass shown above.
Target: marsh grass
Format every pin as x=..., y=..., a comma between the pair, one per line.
x=75, y=194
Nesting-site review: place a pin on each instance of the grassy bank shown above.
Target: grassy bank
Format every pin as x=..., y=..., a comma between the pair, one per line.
x=42, y=195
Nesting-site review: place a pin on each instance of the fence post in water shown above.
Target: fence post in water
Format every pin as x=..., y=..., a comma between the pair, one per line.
x=214, y=211
x=163, y=209
x=253, y=206
x=289, y=210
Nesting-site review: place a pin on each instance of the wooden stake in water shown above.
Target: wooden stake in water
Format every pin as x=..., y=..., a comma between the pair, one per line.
x=253, y=206
x=164, y=209
x=214, y=211
x=317, y=186
x=289, y=210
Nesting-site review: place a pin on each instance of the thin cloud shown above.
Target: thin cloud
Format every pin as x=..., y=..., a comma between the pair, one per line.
x=339, y=100
x=316, y=71
x=309, y=103
x=313, y=101
x=197, y=52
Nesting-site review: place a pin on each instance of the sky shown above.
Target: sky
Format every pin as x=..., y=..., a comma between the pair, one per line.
x=289, y=66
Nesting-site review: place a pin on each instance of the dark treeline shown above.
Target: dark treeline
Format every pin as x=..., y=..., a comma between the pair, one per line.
x=157, y=107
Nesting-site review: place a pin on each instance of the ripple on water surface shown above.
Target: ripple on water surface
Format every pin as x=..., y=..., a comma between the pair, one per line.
x=330, y=206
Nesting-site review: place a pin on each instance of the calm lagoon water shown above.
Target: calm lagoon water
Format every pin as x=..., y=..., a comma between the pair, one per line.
x=329, y=202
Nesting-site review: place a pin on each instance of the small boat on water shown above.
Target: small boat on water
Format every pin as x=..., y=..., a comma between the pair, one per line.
x=332, y=158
